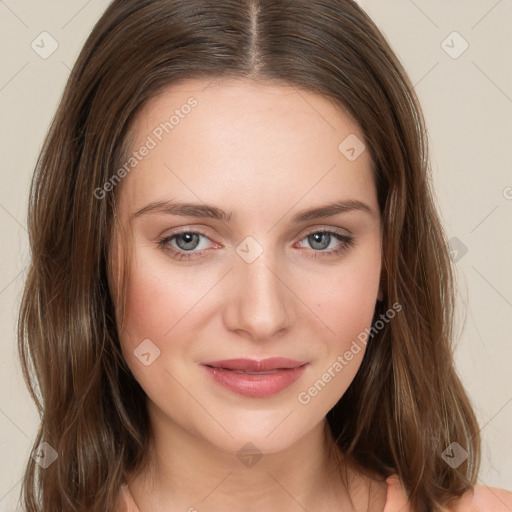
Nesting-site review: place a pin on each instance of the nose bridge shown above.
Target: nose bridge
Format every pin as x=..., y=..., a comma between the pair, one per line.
x=260, y=303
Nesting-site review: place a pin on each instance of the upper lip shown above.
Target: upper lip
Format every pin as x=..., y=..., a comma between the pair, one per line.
x=253, y=365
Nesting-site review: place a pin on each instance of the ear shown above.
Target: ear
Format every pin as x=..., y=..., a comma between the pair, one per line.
x=380, y=295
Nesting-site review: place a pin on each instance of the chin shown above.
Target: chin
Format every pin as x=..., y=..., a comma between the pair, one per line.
x=262, y=436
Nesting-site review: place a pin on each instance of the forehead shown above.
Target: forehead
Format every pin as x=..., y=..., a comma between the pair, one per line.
x=246, y=142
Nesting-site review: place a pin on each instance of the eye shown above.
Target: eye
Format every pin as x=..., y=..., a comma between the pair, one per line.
x=186, y=244
x=193, y=244
x=325, y=242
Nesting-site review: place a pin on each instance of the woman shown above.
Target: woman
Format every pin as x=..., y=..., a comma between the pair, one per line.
x=240, y=293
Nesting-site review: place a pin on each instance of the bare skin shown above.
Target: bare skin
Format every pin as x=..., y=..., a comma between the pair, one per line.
x=262, y=154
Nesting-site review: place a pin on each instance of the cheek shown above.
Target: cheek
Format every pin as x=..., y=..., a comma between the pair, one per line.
x=351, y=304
x=345, y=298
x=151, y=336
x=151, y=303
x=167, y=306
x=155, y=302
x=159, y=295
x=345, y=304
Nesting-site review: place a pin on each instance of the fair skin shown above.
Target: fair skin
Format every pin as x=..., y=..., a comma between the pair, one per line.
x=262, y=153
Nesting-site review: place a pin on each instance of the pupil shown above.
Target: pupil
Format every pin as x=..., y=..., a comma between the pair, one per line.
x=191, y=241
x=319, y=240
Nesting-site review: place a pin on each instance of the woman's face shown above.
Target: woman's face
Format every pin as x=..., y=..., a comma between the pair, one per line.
x=239, y=252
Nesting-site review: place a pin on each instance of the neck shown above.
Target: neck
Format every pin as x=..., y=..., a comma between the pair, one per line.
x=188, y=473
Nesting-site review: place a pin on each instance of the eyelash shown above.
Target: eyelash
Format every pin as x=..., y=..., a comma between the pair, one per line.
x=347, y=241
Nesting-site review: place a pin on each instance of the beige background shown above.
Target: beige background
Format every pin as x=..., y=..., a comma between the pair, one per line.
x=468, y=107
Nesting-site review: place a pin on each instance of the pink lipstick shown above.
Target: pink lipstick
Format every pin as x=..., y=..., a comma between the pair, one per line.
x=257, y=379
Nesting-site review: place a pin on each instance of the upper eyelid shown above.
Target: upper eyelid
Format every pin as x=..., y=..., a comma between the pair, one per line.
x=315, y=229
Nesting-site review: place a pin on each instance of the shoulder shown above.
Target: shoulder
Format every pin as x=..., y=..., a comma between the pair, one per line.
x=481, y=499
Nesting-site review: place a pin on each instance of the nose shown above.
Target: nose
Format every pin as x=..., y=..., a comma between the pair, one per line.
x=260, y=306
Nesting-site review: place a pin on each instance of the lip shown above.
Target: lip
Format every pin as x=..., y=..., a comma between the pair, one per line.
x=253, y=378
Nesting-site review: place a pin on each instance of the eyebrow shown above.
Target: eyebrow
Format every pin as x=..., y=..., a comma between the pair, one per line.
x=212, y=212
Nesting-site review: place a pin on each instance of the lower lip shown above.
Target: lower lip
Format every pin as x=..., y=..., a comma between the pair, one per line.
x=256, y=385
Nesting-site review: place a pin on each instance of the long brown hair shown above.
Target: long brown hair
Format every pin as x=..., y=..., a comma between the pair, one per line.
x=406, y=404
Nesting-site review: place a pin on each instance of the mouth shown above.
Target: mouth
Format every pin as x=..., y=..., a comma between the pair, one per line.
x=257, y=379
x=269, y=365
